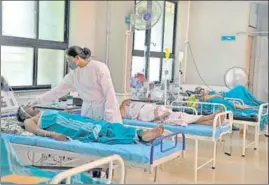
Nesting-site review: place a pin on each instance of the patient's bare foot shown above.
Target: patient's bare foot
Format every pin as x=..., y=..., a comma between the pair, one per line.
x=151, y=134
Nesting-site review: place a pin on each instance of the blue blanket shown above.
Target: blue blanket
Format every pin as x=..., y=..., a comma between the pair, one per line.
x=12, y=170
x=242, y=93
x=87, y=130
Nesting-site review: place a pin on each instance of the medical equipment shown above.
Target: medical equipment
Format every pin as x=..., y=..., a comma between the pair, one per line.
x=196, y=132
x=166, y=83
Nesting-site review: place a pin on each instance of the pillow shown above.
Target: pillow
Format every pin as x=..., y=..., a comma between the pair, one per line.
x=11, y=125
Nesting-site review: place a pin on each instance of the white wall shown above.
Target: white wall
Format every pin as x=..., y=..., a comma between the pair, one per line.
x=209, y=20
x=83, y=23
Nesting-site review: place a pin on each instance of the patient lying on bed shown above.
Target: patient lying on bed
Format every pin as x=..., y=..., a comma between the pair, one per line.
x=239, y=92
x=205, y=95
x=63, y=126
x=161, y=114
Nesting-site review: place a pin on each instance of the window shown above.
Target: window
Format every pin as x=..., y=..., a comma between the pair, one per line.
x=16, y=65
x=34, y=36
x=150, y=45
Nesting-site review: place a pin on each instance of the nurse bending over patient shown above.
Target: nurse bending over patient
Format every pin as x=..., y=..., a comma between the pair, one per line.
x=63, y=126
x=92, y=80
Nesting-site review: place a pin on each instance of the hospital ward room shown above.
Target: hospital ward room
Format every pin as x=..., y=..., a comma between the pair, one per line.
x=134, y=92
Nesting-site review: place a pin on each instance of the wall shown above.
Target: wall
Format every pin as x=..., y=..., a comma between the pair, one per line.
x=263, y=17
x=118, y=63
x=208, y=22
x=83, y=23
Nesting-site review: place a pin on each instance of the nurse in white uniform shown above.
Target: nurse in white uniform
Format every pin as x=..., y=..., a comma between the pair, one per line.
x=92, y=80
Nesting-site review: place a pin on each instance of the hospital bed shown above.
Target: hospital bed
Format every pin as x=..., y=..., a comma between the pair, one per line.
x=240, y=120
x=196, y=132
x=15, y=172
x=147, y=156
x=138, y=155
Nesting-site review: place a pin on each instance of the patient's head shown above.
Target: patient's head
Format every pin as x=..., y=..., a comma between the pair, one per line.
x=26, y=112
x=201, y=91
x=141, y=77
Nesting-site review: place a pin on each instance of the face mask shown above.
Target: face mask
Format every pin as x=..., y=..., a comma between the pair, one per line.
x=71, y=64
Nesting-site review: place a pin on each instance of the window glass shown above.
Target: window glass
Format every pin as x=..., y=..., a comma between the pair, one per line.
x=19, y=18
x=51, y=20
x=51, y=65
x=17, y=65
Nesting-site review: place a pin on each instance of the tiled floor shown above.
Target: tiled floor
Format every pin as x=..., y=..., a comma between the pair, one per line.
x=253, y=169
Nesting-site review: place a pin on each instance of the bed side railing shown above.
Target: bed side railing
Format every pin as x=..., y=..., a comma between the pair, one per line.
x=227, y=123
x=263, y=111
x=202, y=104
x=110, y=160
x=161, y=139
x=236, y=100
x=182, y=108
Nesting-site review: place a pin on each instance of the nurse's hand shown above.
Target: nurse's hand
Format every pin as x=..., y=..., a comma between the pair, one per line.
x=60, y=137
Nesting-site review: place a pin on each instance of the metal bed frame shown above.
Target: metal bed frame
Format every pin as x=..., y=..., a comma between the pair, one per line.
x=152, y=165
x=255, y=124
x=212, y=138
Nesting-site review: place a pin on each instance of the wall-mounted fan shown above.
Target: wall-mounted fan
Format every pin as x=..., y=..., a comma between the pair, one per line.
x=145, y=15
x=235, y=76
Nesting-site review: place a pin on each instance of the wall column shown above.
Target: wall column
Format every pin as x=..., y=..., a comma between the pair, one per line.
x=119, y=59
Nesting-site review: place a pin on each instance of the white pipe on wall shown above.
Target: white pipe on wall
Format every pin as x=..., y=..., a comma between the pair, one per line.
x=186, y=43
x=108, y=8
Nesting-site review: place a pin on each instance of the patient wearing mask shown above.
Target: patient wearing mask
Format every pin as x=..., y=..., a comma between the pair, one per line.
x=161, y=114
x=63, y=126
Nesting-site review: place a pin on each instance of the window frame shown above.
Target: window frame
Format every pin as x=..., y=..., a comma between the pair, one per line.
x=161, y=54
x=36, y=44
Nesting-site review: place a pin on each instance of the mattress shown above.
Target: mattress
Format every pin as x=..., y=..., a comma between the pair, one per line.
x=236, y=117
x=137, y=153
x=191, y=129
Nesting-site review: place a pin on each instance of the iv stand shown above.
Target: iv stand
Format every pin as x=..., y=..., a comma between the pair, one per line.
x=167, y=55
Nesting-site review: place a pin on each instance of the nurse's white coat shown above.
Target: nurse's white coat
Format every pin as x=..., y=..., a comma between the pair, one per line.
x=94, y=85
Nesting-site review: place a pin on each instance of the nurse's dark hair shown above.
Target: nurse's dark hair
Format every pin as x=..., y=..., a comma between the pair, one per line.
x=74, y=51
